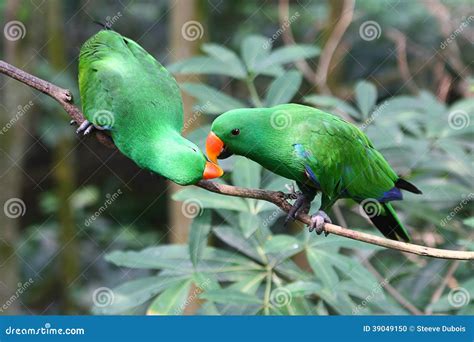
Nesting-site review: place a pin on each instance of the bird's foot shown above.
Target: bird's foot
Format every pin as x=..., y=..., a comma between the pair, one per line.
x=85, y=127
x=302, y=204
x=293, y=194
x=317, y=222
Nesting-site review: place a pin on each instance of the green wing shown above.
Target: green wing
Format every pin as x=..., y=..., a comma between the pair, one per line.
x=343, y=159
x=117, y=78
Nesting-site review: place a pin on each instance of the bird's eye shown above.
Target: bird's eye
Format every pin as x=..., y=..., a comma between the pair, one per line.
x=235, y=131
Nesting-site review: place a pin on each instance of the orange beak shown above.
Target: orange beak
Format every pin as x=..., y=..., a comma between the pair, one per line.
x=214, y=146
x=212, y=171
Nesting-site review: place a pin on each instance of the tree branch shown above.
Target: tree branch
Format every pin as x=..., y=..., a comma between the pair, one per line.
x=64, y=97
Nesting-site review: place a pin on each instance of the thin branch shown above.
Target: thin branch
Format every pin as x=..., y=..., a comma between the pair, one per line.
x=278, y=198
x=439, y=291
x=392, y=290
x=331, y=45
x=400, y=41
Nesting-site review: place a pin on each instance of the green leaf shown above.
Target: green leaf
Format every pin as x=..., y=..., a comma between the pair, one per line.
x=204, y=65
x=366, y=97
x=322, y=268
x=227, y=296
x=288, y=54
x=235, y=238
x=227, y=57
x=200, y=229
x=254, y=50
x=280, y=247
x=249, y=223
x=134, y=293
x=283, y=88
x=207, y=199
x=213, y=100
x=176, y=258
x=469, y=222
x=247, y=173
x=172, y=301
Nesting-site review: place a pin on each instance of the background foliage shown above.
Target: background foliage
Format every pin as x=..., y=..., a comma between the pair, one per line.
x=240, y=259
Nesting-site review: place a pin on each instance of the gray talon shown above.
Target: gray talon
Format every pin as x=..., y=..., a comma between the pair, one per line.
x=83, y=127
x=89, y=129
x=72, y=122
x=317, y=222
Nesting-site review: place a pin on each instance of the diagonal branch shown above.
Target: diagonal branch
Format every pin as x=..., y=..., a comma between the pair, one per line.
x=64, y=97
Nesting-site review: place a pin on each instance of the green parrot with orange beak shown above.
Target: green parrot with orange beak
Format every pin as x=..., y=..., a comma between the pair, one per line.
x=322, y=153
x=125, y=91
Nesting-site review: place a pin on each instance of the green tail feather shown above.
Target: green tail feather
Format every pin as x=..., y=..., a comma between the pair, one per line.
x=389, y=224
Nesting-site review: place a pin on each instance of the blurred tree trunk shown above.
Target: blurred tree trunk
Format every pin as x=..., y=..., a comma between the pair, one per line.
x=181, y=48
x=63, y=169
x=12, y=147
x=183, y=12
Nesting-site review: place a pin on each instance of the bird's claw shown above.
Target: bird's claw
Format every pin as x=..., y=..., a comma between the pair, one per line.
x=302, y=204
x=317, y=222
x=85, y=127
x=293, y=194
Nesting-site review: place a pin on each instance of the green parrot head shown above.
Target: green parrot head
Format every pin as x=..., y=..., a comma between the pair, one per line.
x=245, y=132
x=182, y=162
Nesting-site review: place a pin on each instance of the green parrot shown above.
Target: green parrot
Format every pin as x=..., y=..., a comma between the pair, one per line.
x=321, y=152
x=125, y=91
